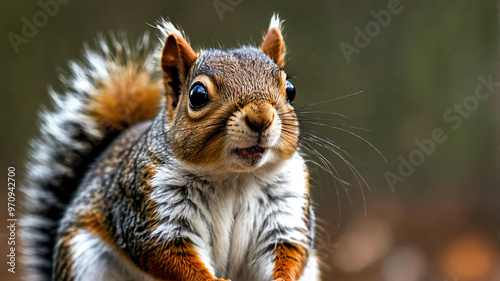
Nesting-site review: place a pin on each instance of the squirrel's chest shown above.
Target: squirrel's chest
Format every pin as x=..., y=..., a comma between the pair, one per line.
x=231, y=224
x=235, y=219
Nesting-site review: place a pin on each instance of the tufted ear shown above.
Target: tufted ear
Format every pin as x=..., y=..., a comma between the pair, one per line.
x=274, y=45
x=177, y=59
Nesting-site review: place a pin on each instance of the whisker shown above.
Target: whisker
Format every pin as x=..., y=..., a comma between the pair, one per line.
x=280, y=106
x=351, y=133
x=319, y=120
x=316, y=136
x=355, y=173
x=289, y=132
x=334, y=149
x=309, y=69
x=290, y=68
x=330, y=167
x=324, y=168
x=317, y=165
x=322, y=112
x=299, y=119
x=330, y=100
x=322, y=158
x=299, y=109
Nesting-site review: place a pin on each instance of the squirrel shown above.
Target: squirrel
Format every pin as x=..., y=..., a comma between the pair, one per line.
x=162, y=163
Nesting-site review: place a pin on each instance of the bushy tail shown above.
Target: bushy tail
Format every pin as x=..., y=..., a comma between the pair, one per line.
x=113, y=87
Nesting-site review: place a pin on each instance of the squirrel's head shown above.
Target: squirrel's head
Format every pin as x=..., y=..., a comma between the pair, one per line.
x=230, y=109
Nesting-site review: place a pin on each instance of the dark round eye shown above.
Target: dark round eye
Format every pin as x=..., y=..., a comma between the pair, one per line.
x=198, y=96
x=290, y=91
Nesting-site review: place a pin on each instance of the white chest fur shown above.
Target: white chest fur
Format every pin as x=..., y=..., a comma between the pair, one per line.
x=246, y=212
x=232, y=222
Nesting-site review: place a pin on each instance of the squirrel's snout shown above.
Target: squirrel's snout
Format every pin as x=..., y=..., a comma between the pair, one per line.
x=258, y=125
x=259, y=116
x=254, y=129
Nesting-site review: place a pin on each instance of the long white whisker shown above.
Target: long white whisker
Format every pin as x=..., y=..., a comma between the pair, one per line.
x=351, y=133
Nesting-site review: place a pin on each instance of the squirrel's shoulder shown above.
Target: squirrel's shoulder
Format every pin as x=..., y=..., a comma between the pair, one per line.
x=120, y=157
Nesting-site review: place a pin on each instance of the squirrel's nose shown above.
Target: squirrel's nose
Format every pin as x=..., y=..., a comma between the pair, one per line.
x=258, y=125
x=259, y=117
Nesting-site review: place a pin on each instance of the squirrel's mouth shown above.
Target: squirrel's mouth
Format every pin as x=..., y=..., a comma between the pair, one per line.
x=255, y=151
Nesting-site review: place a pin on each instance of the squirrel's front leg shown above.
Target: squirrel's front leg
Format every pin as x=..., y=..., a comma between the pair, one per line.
x=289, y=262
x=175, y=260
x=285, y=248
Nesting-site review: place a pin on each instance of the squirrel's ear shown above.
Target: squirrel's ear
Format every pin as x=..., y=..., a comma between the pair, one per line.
x=177, y=59
x=274, y=45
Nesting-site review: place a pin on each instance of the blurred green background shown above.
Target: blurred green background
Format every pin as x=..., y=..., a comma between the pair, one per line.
x=441, y=223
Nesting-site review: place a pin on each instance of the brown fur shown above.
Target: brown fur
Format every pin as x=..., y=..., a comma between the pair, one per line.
x=290, y=262
x=199, y=150
x=177, y=59
x=95, y=223
x=274, y=46
x=194, y=126
x=175, y=260
x=126, y=98
x=260, y=113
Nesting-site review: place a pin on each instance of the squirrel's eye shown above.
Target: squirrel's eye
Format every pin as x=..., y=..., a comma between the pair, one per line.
x=290, y=91
x=198, y=96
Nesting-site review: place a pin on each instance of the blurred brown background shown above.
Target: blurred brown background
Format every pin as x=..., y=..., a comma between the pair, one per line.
x=441, y=223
